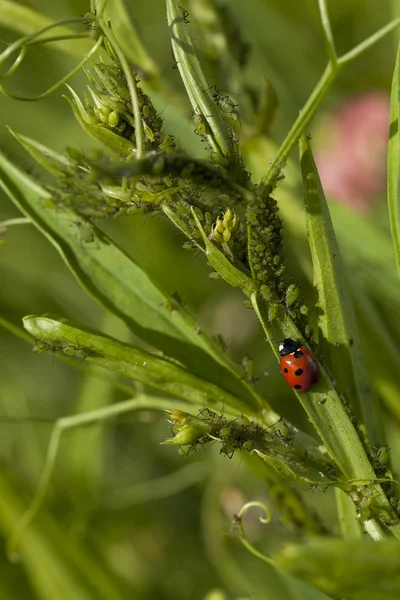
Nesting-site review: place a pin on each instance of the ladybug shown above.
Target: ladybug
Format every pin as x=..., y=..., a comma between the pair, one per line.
x=298, y=365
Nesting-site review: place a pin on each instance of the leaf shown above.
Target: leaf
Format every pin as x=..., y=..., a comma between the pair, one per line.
x=286, y=471
x=341, y=345
x=51, y=161
x=139, y=365
x=355, y=570
x=122, y=287
x=393, y=161
x=194, y=80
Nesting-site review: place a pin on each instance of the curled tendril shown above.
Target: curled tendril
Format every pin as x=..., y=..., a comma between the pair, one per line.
x=59, y=83
x=29, y=39
x=242, y=535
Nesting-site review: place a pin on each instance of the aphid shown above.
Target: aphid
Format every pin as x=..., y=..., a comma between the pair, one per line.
x=299, y=366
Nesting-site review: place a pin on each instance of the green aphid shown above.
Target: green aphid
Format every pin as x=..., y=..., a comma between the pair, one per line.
x=266, y=292
x=272, y=310
x=224, y=433
x=148, y=132
x=113, y=118
x=277, y=260
x=292, y=293
x=303, y=310
x=249, y=368
x=248, y=446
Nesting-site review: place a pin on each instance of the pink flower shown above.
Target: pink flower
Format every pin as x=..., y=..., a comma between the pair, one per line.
x=352, y=168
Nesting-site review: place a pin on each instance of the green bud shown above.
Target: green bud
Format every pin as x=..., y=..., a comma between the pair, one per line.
x=113, y=118
x=188, y=434
x=303, y=310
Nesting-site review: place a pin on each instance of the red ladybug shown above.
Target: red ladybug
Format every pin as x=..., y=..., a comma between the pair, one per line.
x=298, y=365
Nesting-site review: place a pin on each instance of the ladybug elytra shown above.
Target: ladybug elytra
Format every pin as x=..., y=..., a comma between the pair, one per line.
x=299, y=366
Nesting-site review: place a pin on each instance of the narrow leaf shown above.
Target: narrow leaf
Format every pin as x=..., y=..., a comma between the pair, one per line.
x=394, y=161
x=143, y=367
x=341, y=345
x=194, y=80
x=44, y=156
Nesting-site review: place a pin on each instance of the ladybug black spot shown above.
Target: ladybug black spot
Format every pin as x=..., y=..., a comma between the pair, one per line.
x=285, y=370
x=297, y=386
x=298, y=353
x=298, y=372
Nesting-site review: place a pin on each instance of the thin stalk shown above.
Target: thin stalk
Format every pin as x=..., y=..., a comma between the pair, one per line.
x=349, y=56
x=312, y=104
x=28, y=38
x=299, y=125
x=131, y=81
x=72, y=422
x=17, y=221
x=59, y=83
x=328, y=36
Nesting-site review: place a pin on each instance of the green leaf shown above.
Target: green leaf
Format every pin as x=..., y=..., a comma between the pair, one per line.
x=341, y=345
x=287, y=472
x=355, y=570
x=394, y=161
x=51, y=161
x=122, y=287
x=139, y=365
x=194, y=80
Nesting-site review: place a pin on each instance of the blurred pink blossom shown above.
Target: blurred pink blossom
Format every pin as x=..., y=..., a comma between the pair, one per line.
x=352, y=165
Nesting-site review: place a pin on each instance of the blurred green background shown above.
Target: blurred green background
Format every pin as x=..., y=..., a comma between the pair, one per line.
x=105, y=532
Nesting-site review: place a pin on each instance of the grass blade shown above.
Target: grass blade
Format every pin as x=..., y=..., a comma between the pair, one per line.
x=393, y=161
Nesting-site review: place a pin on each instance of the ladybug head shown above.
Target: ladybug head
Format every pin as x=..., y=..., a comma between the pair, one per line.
x=287, y=346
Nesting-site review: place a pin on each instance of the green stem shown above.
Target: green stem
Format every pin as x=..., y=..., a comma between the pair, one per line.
x=366, y=44
x=298, y=127
x=28, y=38
x=131, y=81
x=312, y=104
x=17, y=221
x=59, y=83
x=72, y=422
x=326, y=27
